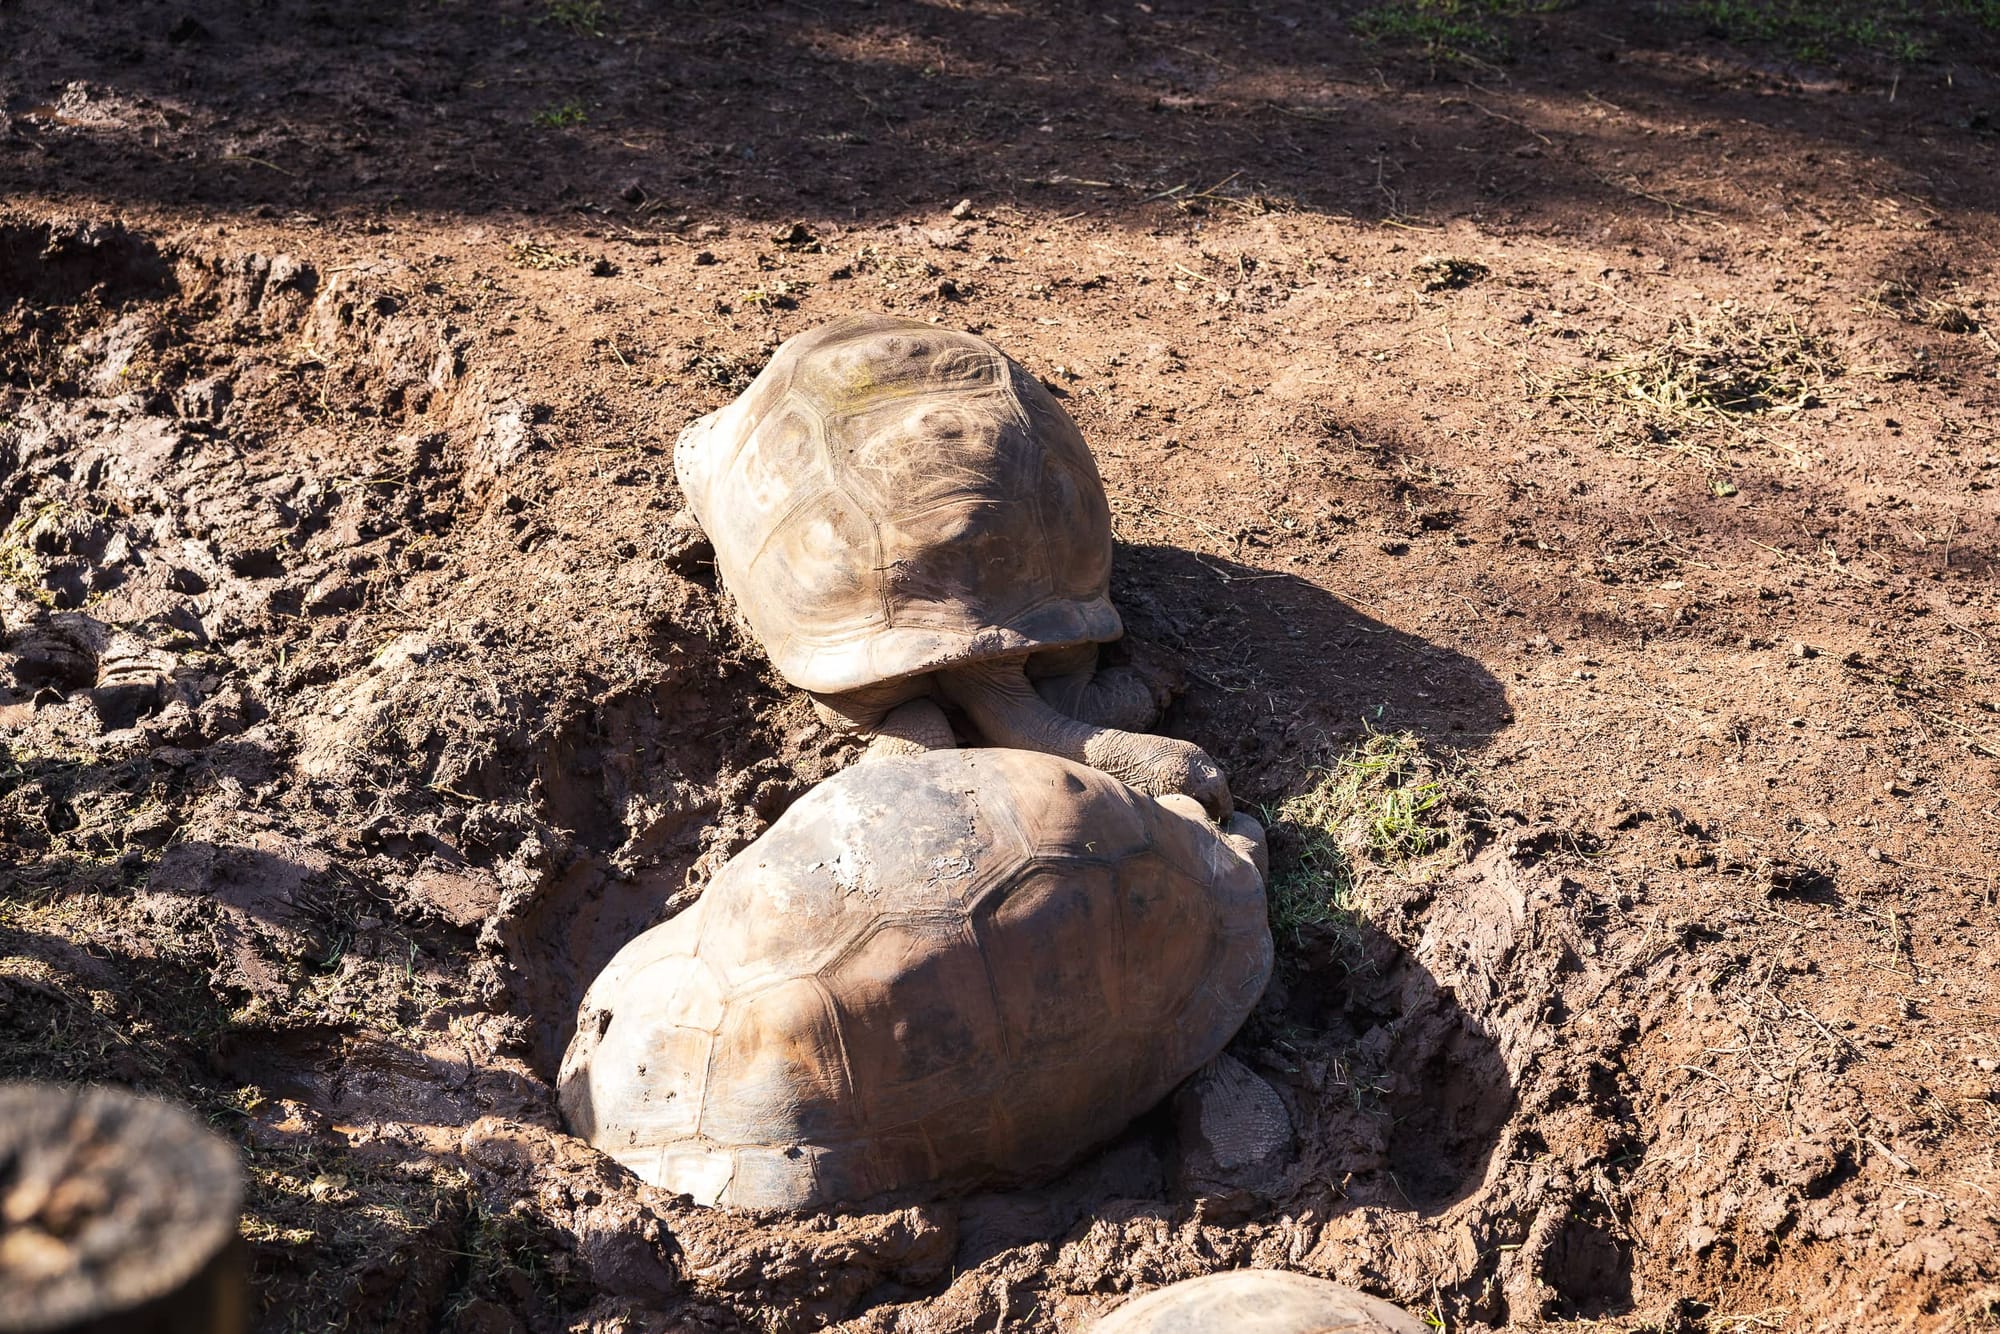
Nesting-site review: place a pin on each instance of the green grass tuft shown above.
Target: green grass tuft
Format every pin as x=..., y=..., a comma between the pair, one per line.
x=1825, y=31
x=1452, y=31
x=585, y=18
x=1384, y=808
x=561, y=117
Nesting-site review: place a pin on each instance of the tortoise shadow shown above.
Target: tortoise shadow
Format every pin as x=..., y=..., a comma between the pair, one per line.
x=1282, y=673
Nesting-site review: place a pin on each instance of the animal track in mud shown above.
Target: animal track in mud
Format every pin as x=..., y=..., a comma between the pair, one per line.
x=1386, y=1067
x=1452, y=1096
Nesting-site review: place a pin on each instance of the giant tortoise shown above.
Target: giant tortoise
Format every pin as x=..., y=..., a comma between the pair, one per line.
x=934, y=971
x=901, y=511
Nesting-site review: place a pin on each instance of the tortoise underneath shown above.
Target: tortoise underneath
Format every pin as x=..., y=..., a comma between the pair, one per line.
x=901, y=513
x=934, y=971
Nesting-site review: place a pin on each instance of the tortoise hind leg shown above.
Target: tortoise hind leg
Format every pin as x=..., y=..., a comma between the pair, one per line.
x=997, y=697
x=897, y=717
x=911, y=729
x=1117, y=697
x=1128, y=696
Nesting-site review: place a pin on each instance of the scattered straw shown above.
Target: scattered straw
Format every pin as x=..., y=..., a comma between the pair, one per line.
x=1440, y=273
x=535, y=255
x=1703, y=384
x=1904, y=301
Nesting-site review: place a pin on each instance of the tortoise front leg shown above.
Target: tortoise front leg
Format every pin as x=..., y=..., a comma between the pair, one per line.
x=1240, y=831
x=997, y=697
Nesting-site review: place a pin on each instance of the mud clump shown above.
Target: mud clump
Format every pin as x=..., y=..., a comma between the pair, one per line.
x=266, y=903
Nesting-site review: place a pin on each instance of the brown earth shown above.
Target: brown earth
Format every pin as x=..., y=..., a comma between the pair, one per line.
x=1610, y=403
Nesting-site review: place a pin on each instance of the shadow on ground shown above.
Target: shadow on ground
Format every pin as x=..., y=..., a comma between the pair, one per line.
x=634, y=113
x=1283, y=674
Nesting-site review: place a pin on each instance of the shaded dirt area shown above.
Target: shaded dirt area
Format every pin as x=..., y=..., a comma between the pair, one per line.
x=1605, y=395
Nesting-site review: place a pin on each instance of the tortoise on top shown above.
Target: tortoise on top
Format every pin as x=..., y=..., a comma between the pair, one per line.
x=903, y=512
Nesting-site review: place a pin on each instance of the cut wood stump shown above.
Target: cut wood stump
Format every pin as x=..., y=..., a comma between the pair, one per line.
x=117, y=1213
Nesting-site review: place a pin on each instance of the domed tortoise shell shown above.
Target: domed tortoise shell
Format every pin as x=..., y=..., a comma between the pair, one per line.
x=888, y=498
x=940, y=970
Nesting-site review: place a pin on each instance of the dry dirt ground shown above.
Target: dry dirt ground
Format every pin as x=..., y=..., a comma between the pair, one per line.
x=1599, y=397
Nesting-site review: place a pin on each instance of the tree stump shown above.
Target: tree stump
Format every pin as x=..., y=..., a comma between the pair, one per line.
x=117, y=1213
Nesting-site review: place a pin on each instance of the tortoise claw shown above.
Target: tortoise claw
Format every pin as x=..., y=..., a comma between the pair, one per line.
x=1247, y=837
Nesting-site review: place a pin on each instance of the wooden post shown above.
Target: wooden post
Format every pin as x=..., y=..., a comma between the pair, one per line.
x=117, y=1213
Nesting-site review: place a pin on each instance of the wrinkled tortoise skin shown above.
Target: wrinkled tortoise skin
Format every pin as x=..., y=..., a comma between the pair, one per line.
x=889, y=498
x=935, y=971
x=1258, y=1301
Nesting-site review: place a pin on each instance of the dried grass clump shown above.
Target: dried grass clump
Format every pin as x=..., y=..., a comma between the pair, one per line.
x=1908, y=303
x=1707, y=380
